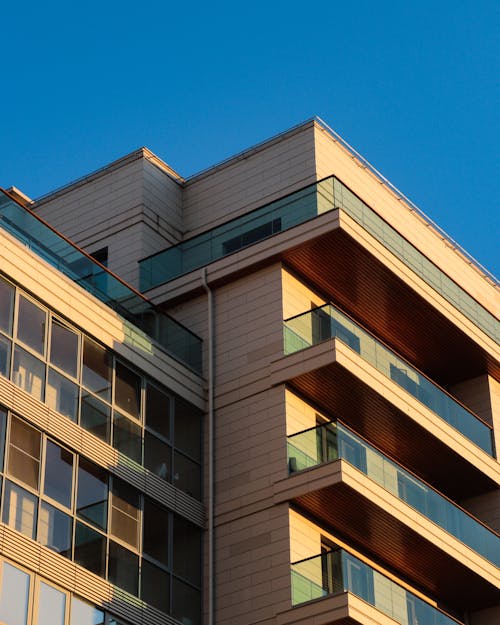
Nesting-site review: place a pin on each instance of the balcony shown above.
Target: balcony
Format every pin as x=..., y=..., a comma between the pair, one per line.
x=338, y=571
x=331, y=441
x=67, y=258
x=327, y=322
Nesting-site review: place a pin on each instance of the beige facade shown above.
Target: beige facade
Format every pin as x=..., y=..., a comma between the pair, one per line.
x=349, y=385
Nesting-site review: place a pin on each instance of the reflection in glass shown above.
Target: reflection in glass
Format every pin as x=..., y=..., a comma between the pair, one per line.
x=123, y=568
x=51, y=605
x=96, y=375
x=187, y=551
x=55, y=529
x=24, y=452
x=155, y=586
x=187, y=426
x=127, y=437
x=158, y=411
x=90, y=549
x=186, y=603
x=187, y=475
x=125, y=512
x=3, y=425
x=62, y=395
x=28, y=373
x=15, y=583
x=31, y=324
x=128, y=390
x=155, y=532
x=92, y=493
x=64, y=348
x=58, y=482
x=6, y=306
x=5, y=347
x=19, y=509
x=95, y=417
x=83, y=613
x=157, y=456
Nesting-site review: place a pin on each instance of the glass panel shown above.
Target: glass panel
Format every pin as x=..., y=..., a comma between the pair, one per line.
x=51, y=606
x=55, y=529
x=95, y=417
x=5, y=348
x=97, y=369
x=28, y=373
x=90, y=549
x=186, y=603
x=20, y=509
x=92, y=493
x=155, y=586
x=188, y=428
x=64, y=348
x=125, y=512
x=6, y=306
x=62, y=395
x=15, y=583
x=187, y=550
x=83, y=613
x=3, y=425
x=157, y=456
x=58, y=482
x=31, y=324
x=155, y=532
x=24, y=452
x=128, y=390
x=158, y=411
x=187, y=475
x=123, y=568
x=127, y=437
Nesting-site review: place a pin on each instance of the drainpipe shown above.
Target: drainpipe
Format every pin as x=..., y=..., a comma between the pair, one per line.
x=211, y=459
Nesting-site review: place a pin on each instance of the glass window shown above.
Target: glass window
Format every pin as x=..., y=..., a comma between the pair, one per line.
x=51, y=605
x=97, y=370
x=58, y=483
x=127, y=437
x=125, y=512
x=3, y=425
x=62, y=395
x=186, y=603
x=187, y=475
x=188, y=428
x=15, y=583
x=55, y=529
x=64, y=348
x=155, y=586
x=83, y=613
x=6, y=306
x=92, y=494
x=123, y=569
x=187, y=550
x=90, y=549
x=19, y=509
x=24, y=452
x=28, y=373
x=31, y=324
x=155, y=532
x=128, y=390
x=5, y=347
x=158, y=411
x=157, y=456
x=95, y=417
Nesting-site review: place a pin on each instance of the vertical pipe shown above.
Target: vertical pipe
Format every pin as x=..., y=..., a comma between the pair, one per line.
x=211, y=459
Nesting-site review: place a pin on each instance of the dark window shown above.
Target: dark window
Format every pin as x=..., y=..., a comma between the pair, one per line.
x=90, y=549
x=155, y=532
x=128, y=390
x=24, y=452
x=55, y=529
x=92, y=496
x=6, y=306
x=127, y=437
x=158, y=411
x=187, y=550
x=97, y=370
x=155, y=586
x=123, y=568
x=187, y=475
x=31, y=324
x=64, y=348
x=157, y=456
x=95, y=417
x=186, y=603
x=125, y=512
x=188, y=428
x=58, y=482
x=5, y=348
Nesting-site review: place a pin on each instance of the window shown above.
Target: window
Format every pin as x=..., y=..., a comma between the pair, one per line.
x=97, y=369
x=24, y=453
x=186, y=603
x=127, y=437
x=187, y=475
x=15, y=583
x=6, y=306
x=31, y=325
x=92, y=497
x=158, y=411
x=187, y=552
x=125, y=512
x=5, y=349
x=55, y=529
x=51, y=605
x=62, y=395
x=128, y=390
x=64, y=348
x=155, y=586
x=90, y=549
x=123, y=568
x=82, y=613
x=157, y=456
x=155, y=532
x=58, y=483
x=28, y=373
x=19, y=509
x=95, y=417
x=188, y=426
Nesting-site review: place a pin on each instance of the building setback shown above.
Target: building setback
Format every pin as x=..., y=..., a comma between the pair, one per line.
x=266, y=394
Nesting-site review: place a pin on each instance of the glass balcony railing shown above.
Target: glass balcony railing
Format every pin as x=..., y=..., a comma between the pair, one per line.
x=338, y=571
x=296, y=209
x=327, y=322
x=28, y=228
x=332, y=440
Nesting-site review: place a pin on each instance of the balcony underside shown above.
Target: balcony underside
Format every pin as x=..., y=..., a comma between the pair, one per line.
x=361, y=513
x=347, y=274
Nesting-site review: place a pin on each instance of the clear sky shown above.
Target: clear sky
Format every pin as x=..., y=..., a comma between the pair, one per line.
x=413, y=86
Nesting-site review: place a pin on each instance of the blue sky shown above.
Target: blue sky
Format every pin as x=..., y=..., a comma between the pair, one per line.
x=413, y=86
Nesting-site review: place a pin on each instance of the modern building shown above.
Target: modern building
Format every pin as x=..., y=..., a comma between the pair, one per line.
x=263, y=395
